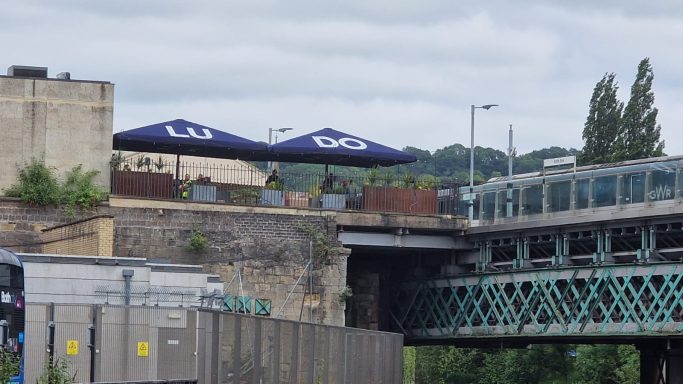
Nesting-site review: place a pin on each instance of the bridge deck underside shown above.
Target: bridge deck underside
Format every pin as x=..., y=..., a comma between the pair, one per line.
x=620, y=300
x=575, y=246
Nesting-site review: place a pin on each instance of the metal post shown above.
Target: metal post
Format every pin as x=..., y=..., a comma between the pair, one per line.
x=470, y=211
x=509, y=191
x=127, y=276
x=310, y=281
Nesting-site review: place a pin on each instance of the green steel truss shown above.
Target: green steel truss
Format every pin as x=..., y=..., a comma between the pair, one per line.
x=628, y=300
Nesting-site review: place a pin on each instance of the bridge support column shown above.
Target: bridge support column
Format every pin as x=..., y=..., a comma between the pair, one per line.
x=659, y=366
x=652, y=366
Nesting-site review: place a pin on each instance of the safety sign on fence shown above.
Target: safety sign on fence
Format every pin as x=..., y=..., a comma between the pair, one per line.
x=72, y=347
x=143, y=349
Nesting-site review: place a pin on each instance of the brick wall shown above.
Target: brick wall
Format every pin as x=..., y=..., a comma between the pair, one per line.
x=90, y=237
x=266, y=245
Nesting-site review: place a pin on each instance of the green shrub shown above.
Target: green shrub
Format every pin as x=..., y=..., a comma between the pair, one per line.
x=9, y=365
x=79, y=190
x=198, y=241
x=37, y=185
x=57, y=373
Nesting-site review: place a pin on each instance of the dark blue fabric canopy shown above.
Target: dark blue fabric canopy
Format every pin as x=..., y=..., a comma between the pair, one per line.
x=183, y=137
x=328, y=146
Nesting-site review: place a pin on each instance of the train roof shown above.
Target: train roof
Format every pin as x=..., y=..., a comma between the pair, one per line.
x=583, y=168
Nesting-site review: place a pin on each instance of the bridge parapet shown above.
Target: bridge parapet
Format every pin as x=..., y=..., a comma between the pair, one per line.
x=634, y=301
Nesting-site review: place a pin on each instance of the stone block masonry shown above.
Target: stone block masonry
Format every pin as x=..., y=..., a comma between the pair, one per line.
x=260, y=252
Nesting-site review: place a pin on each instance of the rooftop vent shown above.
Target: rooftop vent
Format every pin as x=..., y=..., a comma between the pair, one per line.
x=26, y=71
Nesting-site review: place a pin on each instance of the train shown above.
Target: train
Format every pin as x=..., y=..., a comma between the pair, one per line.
x=570, y=190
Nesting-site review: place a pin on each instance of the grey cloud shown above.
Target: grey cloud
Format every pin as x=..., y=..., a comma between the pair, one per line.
x=403, y=72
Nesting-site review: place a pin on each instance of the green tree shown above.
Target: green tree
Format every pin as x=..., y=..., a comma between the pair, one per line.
x=639, y=133
x=408, y=365
x=597, y=364
x=602, y=125
x=629, y=370
x=441, y=365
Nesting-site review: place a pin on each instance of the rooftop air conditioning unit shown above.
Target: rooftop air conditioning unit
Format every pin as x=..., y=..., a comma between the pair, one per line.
x=26, y=71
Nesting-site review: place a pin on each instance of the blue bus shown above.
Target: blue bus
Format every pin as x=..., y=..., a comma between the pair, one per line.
x=12, y=307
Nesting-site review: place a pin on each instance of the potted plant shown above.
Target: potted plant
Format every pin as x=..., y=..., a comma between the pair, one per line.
x=273, y=194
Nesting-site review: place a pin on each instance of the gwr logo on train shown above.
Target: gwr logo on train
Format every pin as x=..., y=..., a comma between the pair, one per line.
x=661, y=192
x=191, y=132
x=346, y=142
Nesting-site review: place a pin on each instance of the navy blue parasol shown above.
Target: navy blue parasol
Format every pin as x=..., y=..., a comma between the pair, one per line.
x=331, y=147
x=182, y=137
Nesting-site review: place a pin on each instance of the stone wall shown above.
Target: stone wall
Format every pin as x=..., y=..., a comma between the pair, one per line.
x=267, y=246
x=64, y=122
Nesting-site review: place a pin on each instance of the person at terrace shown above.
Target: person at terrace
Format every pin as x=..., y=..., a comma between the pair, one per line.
x=328, y=183
x=273, y=177
x=185, y=186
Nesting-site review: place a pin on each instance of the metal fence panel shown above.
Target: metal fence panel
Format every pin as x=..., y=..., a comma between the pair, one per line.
x=258, y=350
x=35, y=340
x=177, y=349
x=71, y=338
x=229, y=347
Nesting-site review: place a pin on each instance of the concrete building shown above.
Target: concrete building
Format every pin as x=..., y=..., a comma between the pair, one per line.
x=50, y=118
x=105, y=280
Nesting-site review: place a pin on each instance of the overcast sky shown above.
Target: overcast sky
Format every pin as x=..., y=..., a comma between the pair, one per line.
x=402, y=73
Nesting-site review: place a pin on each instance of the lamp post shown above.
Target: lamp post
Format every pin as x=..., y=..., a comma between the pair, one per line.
x=471, y=202
x=270, y=140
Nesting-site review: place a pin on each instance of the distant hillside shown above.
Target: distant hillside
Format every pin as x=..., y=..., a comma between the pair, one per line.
x=453, y=162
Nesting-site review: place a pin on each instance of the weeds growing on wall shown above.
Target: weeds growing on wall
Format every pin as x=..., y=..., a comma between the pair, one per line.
x=38, y=186
x=79, y=190
x=345, y=294
x=321, y=242
x=198, y=241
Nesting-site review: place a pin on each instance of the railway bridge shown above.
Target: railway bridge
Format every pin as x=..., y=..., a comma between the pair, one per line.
x=583, y=256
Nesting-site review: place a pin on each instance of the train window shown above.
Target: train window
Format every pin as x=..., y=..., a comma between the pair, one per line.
x=559, y=196
x=532, y=199
x=503, y=199
x=605, y=191
x=633, y=188
x=663, y=185
x=488, y=204
x=582, y=193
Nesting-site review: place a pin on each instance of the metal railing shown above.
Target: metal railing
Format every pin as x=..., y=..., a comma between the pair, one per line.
x=248, y=185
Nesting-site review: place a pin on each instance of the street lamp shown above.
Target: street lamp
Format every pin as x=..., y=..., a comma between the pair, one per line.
x=471, y=202
x=276, y=130
x=270, y=140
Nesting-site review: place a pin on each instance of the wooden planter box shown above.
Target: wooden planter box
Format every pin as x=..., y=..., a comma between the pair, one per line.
x=142, y=184
x=296, y=199
x=409, y=200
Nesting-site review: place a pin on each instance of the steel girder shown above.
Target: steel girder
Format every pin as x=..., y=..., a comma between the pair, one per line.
x=628, y=300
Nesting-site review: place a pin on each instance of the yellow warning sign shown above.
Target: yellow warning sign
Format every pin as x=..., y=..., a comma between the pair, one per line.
x=143, y=349
x=72, y=347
